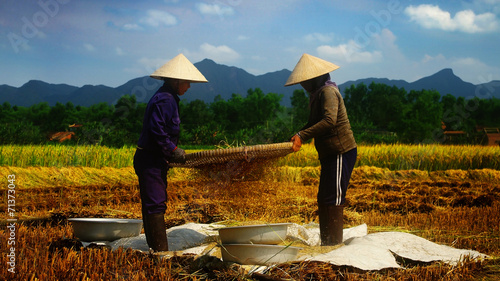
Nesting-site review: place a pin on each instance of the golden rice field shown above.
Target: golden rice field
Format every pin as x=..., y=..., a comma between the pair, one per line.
x=431, y=157
x=447, y=194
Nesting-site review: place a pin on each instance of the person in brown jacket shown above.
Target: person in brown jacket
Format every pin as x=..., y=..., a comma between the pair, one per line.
x=329, y=125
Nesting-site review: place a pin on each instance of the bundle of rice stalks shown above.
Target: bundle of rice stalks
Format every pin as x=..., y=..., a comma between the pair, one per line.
x=246, y=153
x=236, y=163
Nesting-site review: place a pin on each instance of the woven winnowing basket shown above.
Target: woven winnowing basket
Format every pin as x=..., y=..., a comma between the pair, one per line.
x=246, y=153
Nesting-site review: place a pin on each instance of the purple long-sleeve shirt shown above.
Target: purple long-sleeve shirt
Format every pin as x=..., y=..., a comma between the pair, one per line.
x=161, y=124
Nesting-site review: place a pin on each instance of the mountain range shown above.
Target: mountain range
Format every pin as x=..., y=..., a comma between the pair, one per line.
x=224, y=81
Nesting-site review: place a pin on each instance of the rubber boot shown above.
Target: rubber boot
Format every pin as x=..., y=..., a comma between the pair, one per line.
x=145, y=225
x=331, y=224
x=156, y=232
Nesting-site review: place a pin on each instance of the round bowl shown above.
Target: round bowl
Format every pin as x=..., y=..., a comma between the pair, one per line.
x=254, y=234
x=105, y=229
x=258, y=254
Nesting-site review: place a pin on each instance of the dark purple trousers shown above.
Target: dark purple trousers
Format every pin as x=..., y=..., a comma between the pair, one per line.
x=335, y=176
x=151, y=169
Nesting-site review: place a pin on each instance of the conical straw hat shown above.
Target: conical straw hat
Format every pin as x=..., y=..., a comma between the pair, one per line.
x=179, y=68
x=309, y=67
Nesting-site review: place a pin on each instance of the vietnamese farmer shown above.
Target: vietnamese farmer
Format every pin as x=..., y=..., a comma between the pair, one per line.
x=329, y=125
x=157, y=145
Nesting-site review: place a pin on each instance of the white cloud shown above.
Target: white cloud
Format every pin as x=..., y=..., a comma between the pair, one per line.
x=214, y=9
x=385, y=41
x=242, y=37
x=383, y=47
x=89, y=47
x=156, y=18
x=438, y=58
x=119, y=51
x=220, y=53
x=350, y=52
x=258, y=58
x=131, y=26
x=151, y=64
x=318, y=37
x=153, y=18
x=432, y=17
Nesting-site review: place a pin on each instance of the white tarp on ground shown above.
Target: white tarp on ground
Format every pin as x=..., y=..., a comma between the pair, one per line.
x=361, y=250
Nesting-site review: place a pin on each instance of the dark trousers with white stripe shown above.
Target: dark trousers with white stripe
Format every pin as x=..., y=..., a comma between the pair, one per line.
x=335, y=175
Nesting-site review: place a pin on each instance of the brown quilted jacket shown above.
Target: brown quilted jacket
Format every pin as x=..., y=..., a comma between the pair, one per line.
x=328, y=123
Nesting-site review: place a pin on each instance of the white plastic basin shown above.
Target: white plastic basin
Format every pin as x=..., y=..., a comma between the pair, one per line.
x=105, y=229
x=254, y=234
x=258, y=254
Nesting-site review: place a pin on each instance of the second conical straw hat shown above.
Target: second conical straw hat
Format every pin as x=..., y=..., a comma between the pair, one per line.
x=179, y=68
x=309, y=67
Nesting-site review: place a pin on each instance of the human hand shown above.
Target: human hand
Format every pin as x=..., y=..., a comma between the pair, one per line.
x=178, y=156
x=297, y=142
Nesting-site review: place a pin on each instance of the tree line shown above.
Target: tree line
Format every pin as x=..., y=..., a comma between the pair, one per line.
x=381, y=113
x=378, y=113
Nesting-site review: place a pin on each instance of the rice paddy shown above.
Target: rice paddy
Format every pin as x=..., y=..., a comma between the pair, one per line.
x=430, y=157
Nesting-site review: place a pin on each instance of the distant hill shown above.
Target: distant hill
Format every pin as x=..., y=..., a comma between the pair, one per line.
x=35, y=91
x=7, y=93
x=226, y=80
x=223, y=80
x=444, y=81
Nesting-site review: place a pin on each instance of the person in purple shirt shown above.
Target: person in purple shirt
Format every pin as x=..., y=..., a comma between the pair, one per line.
x=157, y=145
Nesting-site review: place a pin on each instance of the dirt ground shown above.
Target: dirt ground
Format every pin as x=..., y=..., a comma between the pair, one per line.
x=460, y=213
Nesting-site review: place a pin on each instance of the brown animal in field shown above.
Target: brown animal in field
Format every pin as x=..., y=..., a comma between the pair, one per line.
x=61, y=136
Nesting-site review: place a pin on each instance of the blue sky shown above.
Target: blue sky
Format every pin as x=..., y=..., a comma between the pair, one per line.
x=95, y=42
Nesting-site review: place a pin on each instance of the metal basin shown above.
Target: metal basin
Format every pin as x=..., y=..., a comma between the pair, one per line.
x=254, y=234
x=258, y=254
x=105, y=229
